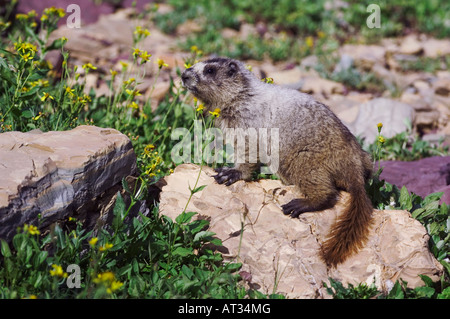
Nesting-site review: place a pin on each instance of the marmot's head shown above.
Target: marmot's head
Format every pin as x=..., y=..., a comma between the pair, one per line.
x=218, y=81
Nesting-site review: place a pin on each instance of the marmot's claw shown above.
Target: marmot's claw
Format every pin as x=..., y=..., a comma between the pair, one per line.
x=227, y=175
x=293, y=208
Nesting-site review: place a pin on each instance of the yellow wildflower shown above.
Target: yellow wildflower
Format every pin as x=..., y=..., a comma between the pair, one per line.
x=46, y=96
x=88, y=66
x=133, y=92
x=123, y=64
x=145, y=56
x=44, y=18
x=133, y=105
x=309, y=42
x=32, y=230
x=216, y=112
x=55, y=11
x=37, y=117
x=148, y=148
x=84, y=99
x=129, y=81
x=58, y=271
x=136, y=52
x=381, y=139
x=27, y=57
x=25, y=47
x=379, y=126
x=268, y=80
x=105, y=247
x=93, y=241
x=113, y=72
x=106, y=276
x=140, y=31
x=115, y=285
x=187, y=65
x=161, y=63
x=32, y=13
x=321, y=34
x=21, y=16
x=69, y=90
x=200, y=108
x=109, y=281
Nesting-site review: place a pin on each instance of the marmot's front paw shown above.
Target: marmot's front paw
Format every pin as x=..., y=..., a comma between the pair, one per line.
x=227, y=175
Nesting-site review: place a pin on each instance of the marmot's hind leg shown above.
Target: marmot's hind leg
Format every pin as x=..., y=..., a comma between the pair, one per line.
x=302, y=205
x=320, y=194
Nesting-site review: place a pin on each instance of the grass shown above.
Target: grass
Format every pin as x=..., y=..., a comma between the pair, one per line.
x=153, y=256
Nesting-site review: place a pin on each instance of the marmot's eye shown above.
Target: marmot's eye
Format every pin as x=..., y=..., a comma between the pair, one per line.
x=210, y=71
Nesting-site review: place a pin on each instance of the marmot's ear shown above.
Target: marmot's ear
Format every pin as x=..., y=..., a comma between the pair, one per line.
x=232, y=68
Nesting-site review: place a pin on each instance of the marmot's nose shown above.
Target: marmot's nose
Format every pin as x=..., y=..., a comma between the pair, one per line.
x=185, y=77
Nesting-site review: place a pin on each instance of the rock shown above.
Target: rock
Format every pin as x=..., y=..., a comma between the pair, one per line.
x=434, y=48
x=410, y=45
x=278, y=251
x=422, y=177
x=442, y=86
x=428, y=119
x=58, y=174
x=319, y=86
x=291, y=78
x=391, y=113
x=189, y=27
x=364, y=56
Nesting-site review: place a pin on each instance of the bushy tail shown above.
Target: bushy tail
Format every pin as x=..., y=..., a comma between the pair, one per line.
x=350, y=231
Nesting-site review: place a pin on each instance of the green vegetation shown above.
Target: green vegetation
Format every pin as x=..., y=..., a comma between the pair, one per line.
x=153, y=256
x=297, y=27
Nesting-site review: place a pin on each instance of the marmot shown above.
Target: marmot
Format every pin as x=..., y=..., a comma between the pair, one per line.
x=317, y=152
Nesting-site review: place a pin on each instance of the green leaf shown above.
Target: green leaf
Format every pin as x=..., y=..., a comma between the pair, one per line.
x=445, y=294
x=187, y=271
x=396, y=292
x=6, y=252
x=198, y=189
x=417, y=213
x=27, y=114
x=200, y=236
x=424, y=292
x=184, y=217
x=405, y=199
x=427, y=280
x=181, y=251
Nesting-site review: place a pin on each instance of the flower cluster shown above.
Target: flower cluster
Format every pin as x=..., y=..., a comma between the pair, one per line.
x=57, y=271
x=152, y=160
x=52, y=13
x=108, y=280
x=26, y=50
x=30, y=229
x=143, y=55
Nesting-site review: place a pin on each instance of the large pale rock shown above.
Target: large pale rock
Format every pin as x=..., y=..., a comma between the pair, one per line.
x=393, y=114
x=55, y=174
x=282, y=252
